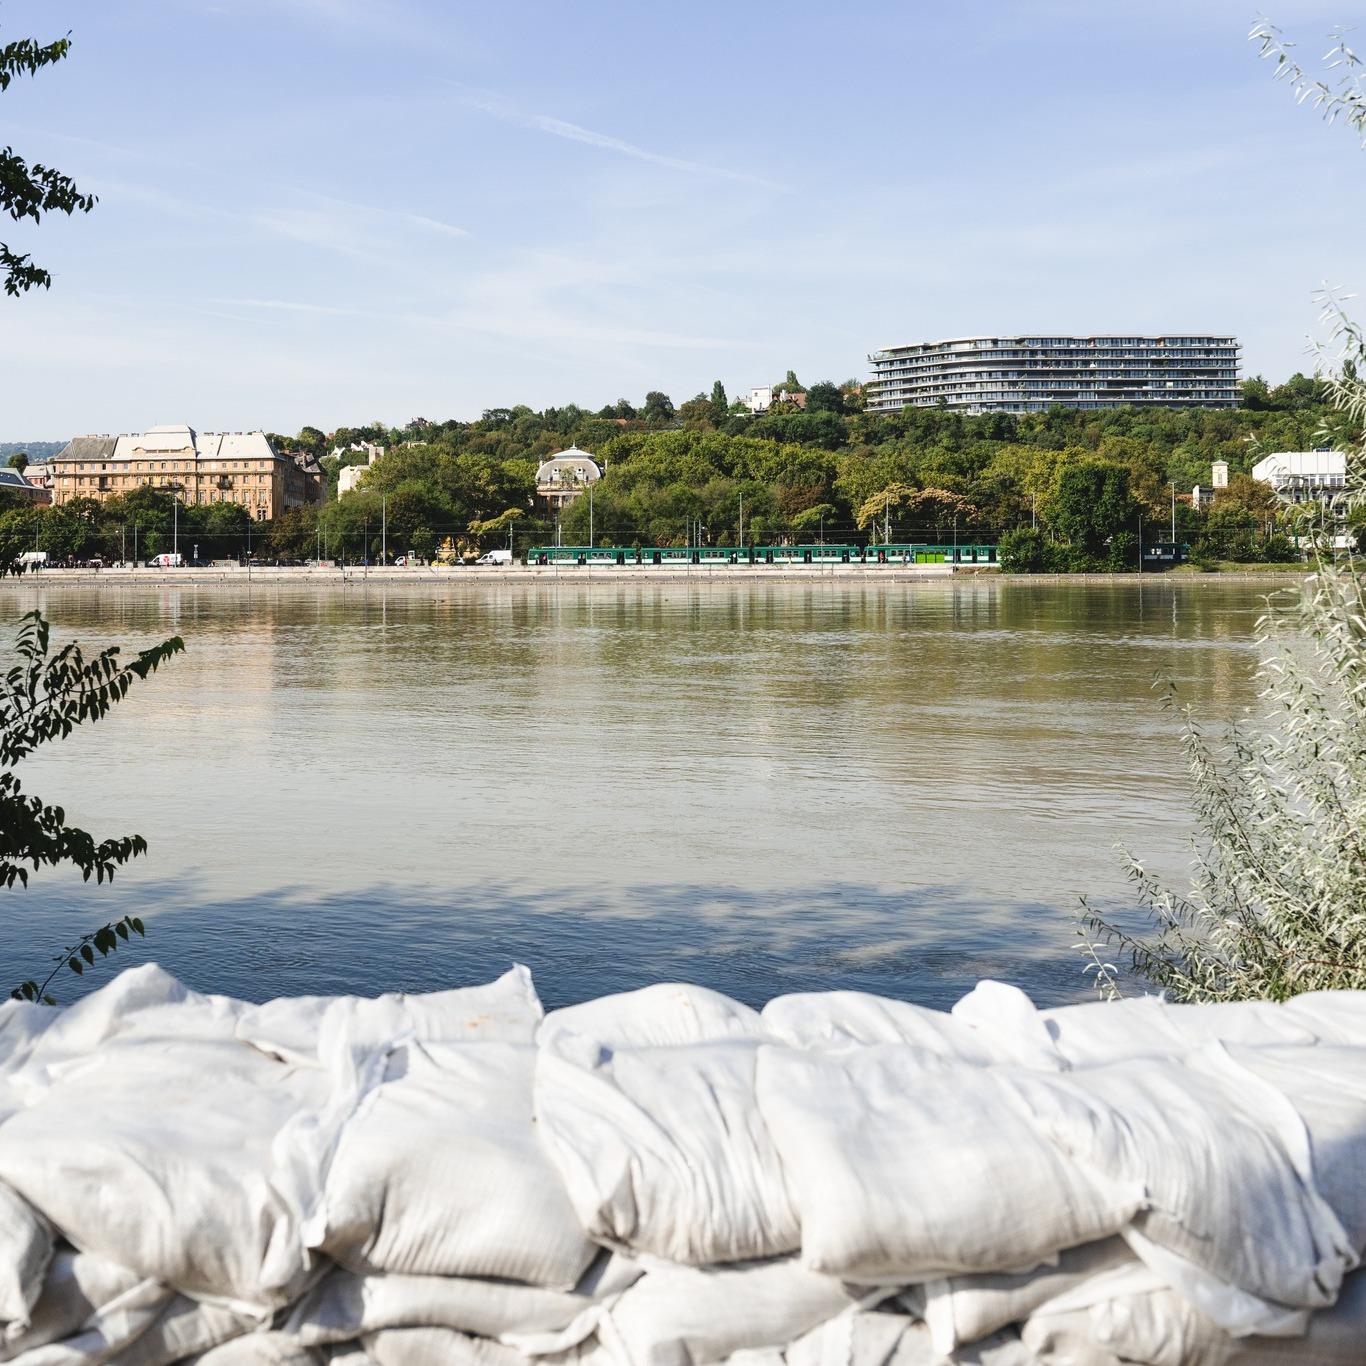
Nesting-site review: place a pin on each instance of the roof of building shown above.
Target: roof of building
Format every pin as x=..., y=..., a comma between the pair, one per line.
x=88, y=448
x=573, y=456
x=171, y=439
x=14, y=482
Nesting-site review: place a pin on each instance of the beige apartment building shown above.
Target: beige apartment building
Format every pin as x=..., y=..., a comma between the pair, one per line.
x=195, y=467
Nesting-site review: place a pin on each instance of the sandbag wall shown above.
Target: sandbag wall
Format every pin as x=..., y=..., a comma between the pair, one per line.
x=669, y=1178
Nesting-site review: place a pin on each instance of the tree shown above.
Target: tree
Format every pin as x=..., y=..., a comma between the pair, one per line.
x=42, y=698
x=19, y=461
x=1092, y=502
x=825, y=397
x=720, y=407
x=31, y=191
x=1277, y=905
x=658, y=409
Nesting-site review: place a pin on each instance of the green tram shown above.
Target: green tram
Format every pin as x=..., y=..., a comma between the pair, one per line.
x=904, y=554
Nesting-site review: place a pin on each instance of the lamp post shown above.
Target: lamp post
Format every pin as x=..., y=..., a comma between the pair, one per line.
x=384, y=528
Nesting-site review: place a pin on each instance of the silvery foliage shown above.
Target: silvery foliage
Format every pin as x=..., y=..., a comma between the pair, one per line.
x=1277, y=905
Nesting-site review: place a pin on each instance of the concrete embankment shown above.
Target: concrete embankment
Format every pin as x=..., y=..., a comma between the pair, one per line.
x=233, y=576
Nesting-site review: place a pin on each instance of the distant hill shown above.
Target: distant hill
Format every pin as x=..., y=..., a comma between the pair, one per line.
x=35, y=450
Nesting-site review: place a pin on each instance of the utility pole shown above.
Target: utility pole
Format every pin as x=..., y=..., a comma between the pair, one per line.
x=887, y=518
x=384, y=528
x=175, y=526
x=1173, y=521
x=1140, y=542
x=741, y=536
x=590, y=517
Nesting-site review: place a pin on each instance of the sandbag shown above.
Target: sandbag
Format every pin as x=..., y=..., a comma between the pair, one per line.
x=1334, y=1016
x=108, y=1333
x=344, y=1306
x=436, y=1347
x=1100, y=1032
x=833, y=1020
x=77, y=1287
x=897, y=1159
x=665, y=1015
x=26, y=1246
x=185, y=1328
x=964, y=1309
x=156, y=1152
x=292, y=1028
x=258, y=1349
x=663, y=1150
x=440, y=1172
x=860, y=1337
x=1007, y=1023
x=1224, y=1164
x=1159, y=1328
x=1327, y=1086
x=679, y=1315
x=646, y=1101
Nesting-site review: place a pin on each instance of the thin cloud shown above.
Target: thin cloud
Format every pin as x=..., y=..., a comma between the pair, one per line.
x=573, y=132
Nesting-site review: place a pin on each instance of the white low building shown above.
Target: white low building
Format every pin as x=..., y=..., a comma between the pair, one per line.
x=1303, y=474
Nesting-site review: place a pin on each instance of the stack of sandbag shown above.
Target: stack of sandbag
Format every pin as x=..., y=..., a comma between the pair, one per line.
x=670, y=1178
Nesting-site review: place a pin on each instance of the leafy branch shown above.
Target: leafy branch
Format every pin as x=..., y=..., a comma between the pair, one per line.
x=78, y=956
x=43, y=697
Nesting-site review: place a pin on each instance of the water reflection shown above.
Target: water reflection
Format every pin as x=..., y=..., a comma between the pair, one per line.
x=761, y=786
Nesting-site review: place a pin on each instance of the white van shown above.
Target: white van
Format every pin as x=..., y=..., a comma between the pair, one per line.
x=495, y=557
x=166, y=562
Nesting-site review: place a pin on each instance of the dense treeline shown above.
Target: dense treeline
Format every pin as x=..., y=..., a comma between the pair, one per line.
x=1077, y=487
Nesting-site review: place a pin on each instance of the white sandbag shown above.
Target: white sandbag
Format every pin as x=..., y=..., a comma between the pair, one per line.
x=440, y=1173
x=258, y=1349
x=963, y=1309
x=1100, y=1032
x=1334, y=1016
x=503, y=1011
x=155, y=1152
x=78, y=1285
x=663, y=1150
x=1159, y=1328
x=861, y=1337
x=141, y=1004
x=185, y=1328
x=678, y=1315
x=107, y=1334
x=1254, y=1024
x=665, y=1015
x=344, y=1306
x=1327, y=1086
x=833, y=1020
x=25, y=1250
x=436, y=1347
x=1224, y=1162
x=905, y=1166
x=1007, y=1023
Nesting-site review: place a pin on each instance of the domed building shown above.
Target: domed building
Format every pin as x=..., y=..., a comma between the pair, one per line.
x=563, y=476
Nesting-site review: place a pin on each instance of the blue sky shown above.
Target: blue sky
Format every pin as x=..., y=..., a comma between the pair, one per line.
x=332, y=211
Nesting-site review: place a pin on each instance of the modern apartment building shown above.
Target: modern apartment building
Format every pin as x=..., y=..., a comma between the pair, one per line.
x=1031, y=374
x=196, y=467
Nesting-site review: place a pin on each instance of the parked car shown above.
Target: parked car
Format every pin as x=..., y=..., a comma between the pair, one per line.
x=495, y=557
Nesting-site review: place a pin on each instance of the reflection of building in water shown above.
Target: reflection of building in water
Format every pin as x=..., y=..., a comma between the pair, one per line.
x=564, y=476
x=1303, y=474
x=194, y=467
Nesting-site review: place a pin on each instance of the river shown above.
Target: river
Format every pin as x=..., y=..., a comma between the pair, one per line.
x=763, y=787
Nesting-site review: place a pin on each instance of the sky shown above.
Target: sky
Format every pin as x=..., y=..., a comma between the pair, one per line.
x=341, y=211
